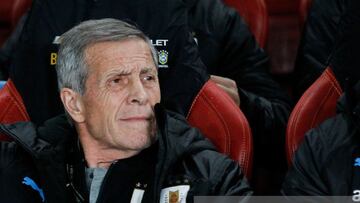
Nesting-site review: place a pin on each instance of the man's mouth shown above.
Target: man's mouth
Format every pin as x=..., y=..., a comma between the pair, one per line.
x=137, y=118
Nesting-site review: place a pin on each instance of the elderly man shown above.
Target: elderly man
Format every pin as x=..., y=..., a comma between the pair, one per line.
x=122, y=146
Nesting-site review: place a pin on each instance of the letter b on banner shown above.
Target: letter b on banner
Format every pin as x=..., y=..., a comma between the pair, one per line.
x=53, y=58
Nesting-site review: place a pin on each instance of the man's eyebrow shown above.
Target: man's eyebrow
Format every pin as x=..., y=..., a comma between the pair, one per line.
x=117, y=72
x=147, y=70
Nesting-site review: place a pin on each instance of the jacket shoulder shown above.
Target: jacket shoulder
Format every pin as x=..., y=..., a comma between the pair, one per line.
x=334, y=133
x=324, y=151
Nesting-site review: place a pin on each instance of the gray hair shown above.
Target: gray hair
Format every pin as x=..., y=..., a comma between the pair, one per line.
x=71, y=67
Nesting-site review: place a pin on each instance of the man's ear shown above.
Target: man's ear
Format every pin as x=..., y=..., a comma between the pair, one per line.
x=73, y=104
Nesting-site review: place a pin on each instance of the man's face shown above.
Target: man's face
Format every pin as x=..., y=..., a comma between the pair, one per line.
x=120, y=93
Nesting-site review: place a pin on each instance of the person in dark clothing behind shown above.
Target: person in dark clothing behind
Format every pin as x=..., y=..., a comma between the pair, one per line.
x=320, y=37
x=7, y=49
x=132, y=149
x=240, y=67
x=327, y=162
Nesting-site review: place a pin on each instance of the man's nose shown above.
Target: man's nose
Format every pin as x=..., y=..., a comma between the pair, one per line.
x=137, y=92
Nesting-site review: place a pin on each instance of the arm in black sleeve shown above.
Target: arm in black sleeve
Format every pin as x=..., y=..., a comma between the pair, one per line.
x=232, y=181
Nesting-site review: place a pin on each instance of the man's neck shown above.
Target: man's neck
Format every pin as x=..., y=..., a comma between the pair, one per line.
x=97, y=155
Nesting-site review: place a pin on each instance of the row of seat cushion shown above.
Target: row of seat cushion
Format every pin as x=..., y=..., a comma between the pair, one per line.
x=225, y=125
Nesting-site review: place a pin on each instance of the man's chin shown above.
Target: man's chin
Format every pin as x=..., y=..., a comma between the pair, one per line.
x=141, y=146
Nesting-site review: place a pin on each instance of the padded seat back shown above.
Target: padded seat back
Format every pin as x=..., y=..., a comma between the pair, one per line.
x=316, y=105
x=221, y=120
x=12, y=108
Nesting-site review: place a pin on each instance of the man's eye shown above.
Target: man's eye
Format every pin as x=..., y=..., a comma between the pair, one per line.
x=117, y=80
x=149, y=78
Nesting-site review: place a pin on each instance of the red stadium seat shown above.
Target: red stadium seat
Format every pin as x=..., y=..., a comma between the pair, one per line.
x=255, y=14
x=316, y=105
x=304, y=7
x=220, y=119
x=10, y=13
x=12, y=108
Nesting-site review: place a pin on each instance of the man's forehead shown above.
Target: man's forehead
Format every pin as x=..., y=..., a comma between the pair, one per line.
x=115, y=52
x=123, y=44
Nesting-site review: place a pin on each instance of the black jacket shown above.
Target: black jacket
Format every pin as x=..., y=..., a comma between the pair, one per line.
x=317, y=43
x=46, y=153
x=326, y=30
x=323, y=164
